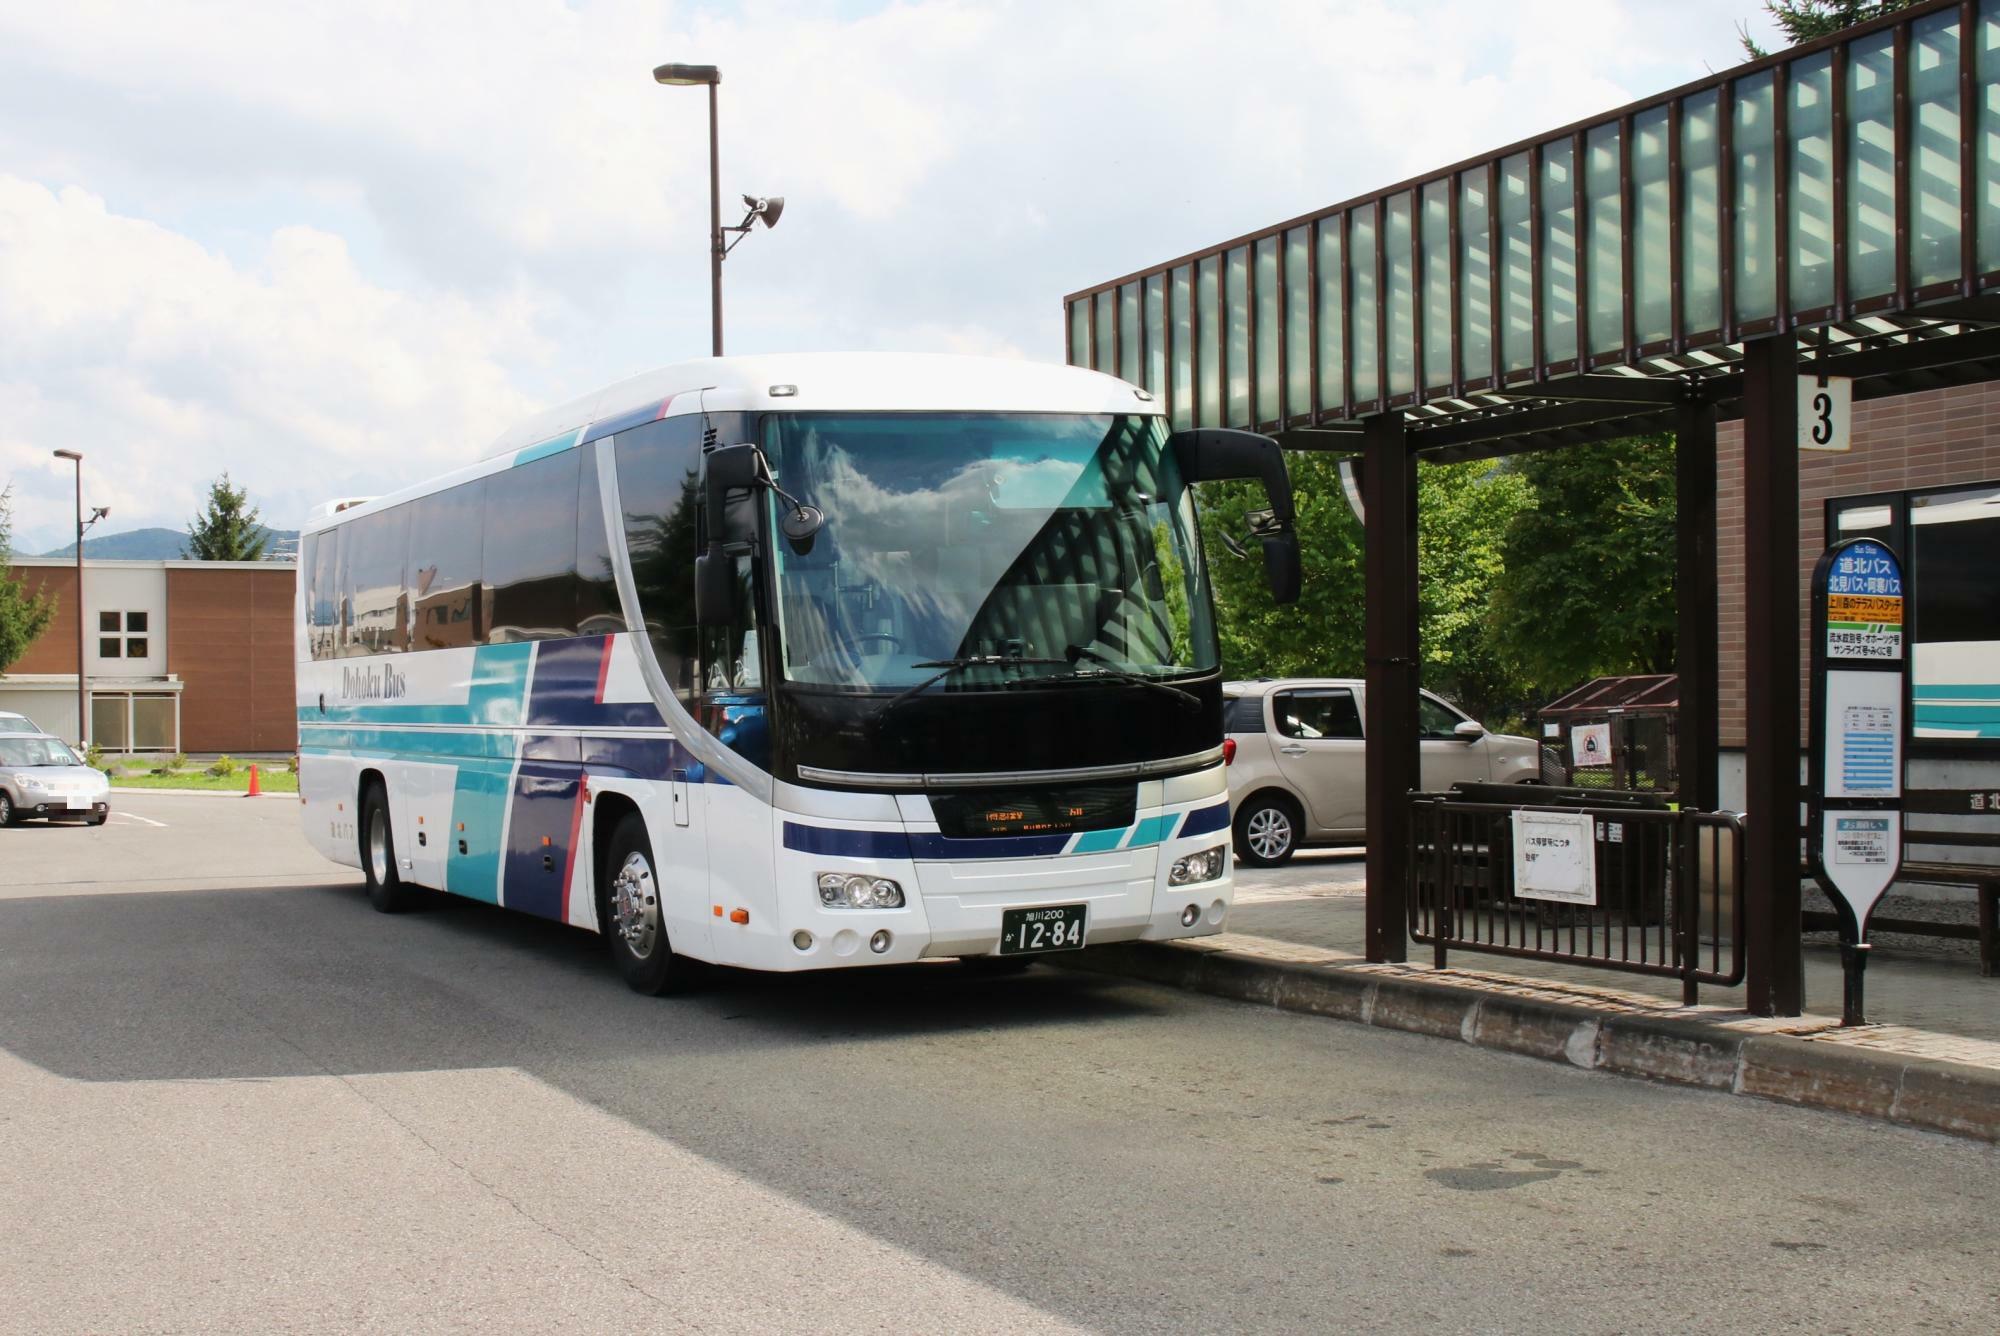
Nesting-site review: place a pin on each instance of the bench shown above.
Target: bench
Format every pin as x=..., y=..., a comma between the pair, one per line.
x=1984, y=878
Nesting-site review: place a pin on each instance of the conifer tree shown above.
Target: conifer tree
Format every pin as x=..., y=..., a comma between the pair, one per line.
x=1803, y=20
x=228, y=529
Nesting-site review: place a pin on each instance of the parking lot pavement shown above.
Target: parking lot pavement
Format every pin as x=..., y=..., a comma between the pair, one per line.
x=248, y=1102
x=165, y=841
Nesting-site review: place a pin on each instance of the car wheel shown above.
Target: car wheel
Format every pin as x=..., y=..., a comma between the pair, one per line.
x=634, y=915
x=6, y=808
x=1267, y=832
x=378, y=854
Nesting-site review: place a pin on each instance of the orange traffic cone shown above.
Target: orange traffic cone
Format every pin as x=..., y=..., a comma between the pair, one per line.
x=256, y=789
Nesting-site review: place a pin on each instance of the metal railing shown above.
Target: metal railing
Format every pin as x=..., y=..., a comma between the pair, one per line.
x=1667, y=897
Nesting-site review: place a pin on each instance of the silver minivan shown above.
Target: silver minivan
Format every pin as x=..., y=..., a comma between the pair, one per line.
x=1296, y=749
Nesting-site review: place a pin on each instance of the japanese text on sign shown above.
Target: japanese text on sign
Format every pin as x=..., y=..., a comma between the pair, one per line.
x=1864, y=604
x=1555, y=857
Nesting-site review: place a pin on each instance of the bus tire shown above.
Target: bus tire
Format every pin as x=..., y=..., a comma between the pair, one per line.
x=377, y=836
x=634, y=915
x=1267, y=831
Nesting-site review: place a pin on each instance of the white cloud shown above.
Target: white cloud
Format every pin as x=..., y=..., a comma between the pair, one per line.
x=166, y=363
x=276, y=235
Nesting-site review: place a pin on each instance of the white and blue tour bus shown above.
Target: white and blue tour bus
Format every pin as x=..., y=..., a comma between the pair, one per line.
x=791, y=663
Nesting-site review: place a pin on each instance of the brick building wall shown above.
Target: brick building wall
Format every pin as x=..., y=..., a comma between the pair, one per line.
x=55, y=651
x=229, y=638
x=1934, y=439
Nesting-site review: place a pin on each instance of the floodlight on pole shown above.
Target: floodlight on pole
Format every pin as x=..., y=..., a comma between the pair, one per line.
x=709, y=77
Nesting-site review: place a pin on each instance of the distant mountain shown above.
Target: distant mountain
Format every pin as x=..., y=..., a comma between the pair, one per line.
x=155, y=545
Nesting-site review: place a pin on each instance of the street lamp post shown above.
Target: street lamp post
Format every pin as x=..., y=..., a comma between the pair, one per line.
x=82, y=712
x=708, y=76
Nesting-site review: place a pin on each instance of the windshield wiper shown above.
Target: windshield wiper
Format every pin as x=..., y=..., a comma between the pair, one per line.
x=946, y=667
x=1101, y=669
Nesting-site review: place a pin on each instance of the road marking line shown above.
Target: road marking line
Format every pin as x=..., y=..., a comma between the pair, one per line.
x=134, y=816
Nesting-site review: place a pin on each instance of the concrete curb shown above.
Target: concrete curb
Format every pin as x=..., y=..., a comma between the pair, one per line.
x=1936, y=1096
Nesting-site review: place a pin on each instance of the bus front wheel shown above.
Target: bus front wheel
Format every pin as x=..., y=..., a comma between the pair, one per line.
x=634, y=916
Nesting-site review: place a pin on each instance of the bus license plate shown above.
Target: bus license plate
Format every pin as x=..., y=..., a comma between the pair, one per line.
x=1054, y=928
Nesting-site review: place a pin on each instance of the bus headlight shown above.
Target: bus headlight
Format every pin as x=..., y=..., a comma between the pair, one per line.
x=846, y=890
x=1204, y=866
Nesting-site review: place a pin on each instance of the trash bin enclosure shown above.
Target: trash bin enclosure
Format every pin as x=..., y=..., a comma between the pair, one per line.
x=1614, y=733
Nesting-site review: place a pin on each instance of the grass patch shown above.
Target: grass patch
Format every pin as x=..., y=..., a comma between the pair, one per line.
x=274, y=780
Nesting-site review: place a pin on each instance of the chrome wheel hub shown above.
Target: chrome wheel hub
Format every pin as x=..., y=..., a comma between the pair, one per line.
x=635, y=906
x=378, y=846
x=1269, y=832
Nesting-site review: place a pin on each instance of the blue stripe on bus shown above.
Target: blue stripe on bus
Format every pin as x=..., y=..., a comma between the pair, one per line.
x=564, y=692
x=1205, y=819
x=553, y=446
x=479, y=806
x=836, y=843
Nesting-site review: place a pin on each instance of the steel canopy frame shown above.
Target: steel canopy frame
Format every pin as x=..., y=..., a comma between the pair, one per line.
x=1676, y=261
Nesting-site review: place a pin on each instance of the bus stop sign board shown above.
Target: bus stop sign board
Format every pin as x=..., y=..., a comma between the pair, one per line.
x=1855, y=778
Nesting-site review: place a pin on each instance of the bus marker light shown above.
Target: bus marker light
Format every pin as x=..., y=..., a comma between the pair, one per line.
x=880, y=941
x=546, y=841
x=739, y=916
x=717, y=909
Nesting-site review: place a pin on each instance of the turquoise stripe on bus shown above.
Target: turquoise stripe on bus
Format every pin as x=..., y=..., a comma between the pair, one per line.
x=498, y=696
x=1098, y=841
x=1152, y=830
x=553, y=446
x=1964, y=691
x=479, y=803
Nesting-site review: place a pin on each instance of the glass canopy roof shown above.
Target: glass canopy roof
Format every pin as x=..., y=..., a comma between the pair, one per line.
x=1847, y=189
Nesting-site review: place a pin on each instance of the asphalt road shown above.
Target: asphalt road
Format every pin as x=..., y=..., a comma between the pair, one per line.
x=232, y=1097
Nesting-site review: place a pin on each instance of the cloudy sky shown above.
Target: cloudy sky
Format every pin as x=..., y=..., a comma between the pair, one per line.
x=334, y=247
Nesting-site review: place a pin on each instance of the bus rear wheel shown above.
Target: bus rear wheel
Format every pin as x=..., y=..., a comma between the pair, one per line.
x=386, y=890
x=634, y=915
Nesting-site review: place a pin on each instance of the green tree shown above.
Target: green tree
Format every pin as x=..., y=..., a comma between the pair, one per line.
x=227, y=530
x=1462, y=512
x=1587, y=585
x=23, y=616
x=1803, y=20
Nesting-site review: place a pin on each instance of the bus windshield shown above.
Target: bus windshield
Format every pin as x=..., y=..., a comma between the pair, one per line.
x=1062, y=542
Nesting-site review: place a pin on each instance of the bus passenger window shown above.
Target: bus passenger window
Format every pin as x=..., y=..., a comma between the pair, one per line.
x=530, y=567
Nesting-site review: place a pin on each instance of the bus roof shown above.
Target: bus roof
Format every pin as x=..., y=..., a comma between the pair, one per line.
x=783, y=382
x=833, y=382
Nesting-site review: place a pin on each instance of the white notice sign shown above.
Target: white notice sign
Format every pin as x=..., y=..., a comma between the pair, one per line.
x=1826, y=413
x=1590, y=744
x=1555, y=857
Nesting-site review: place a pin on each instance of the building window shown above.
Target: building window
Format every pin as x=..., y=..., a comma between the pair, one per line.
x=122, y=635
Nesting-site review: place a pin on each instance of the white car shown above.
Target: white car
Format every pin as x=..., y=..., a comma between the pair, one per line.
x=1297, y=761
x=17, y=723
x=41, y=777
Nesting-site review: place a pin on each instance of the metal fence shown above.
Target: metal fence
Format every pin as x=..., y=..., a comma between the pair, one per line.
x=1667, y=898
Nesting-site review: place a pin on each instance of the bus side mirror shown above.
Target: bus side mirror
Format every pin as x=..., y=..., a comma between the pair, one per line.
x=1282, y=571
x=715, y=587
x=731, y=468
x=1211, y=453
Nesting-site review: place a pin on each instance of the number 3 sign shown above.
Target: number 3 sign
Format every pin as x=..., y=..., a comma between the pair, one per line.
x=1826, y=412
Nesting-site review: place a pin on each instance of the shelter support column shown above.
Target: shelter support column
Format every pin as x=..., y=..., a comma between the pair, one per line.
x=1695, y=598
x=1390, y=500
x=1772, y=628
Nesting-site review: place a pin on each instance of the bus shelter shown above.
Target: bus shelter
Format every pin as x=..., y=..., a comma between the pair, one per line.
x=1829, y=213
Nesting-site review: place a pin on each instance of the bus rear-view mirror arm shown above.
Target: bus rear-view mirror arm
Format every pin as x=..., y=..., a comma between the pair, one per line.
x=1209, y=454
x=735, y=470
